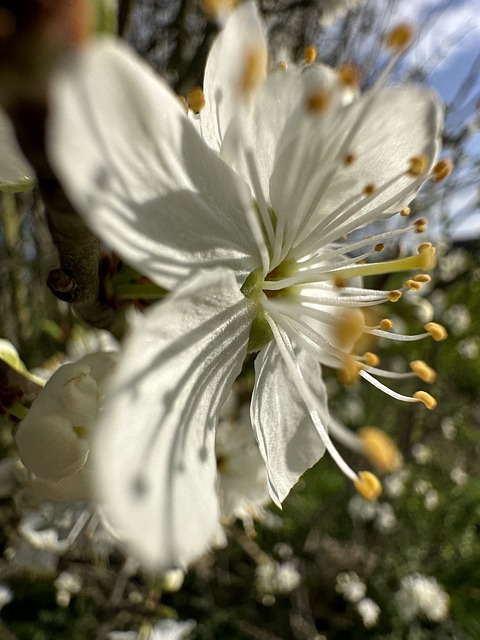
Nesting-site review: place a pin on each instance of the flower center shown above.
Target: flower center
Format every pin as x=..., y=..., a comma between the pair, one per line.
x=253, y=287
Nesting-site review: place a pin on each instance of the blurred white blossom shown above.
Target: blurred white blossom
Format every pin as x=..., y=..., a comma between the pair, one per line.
x=420, y=595
x=351, y=586
x=369, y=612
x=277, y=577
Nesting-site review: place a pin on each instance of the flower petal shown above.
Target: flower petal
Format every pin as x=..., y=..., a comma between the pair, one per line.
x=287, y=438
x=16, y=174
x=135, y=167
x=154, y=453
x=244, y=33
x=390, y=127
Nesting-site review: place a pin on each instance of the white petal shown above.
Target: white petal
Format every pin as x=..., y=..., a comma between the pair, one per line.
x=49, y=447
x=244, y=32
x=287, y=438
x=261, y=129
x=16, y=173
x=154, y=452
x=398, y=124
x=135, y=167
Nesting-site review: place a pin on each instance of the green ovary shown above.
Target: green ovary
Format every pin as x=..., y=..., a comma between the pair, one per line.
x=260, y=332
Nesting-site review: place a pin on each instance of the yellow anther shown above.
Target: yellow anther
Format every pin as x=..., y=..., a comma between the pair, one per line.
x=413, y=285
x=371, y=359
x=405, y=211
x=400, y=37
x=350, y=370
x=196, y=100
x=368, y=486
x=423, y=371
x=282, y=65
x=437, y=331
x=253, y=70
x=420, y=225
x=428, y=400
x=340, y=282
x=422, y=277
x=318, y=101
x=310, y=54
x=349, y=75
x=379, y=247
x=386, y=324
x=418, y=166
x=427, y=253
x=350, y=159
x=442, y=170
x=344, y=237
x=215, y=8
x=394, y=296
x=350, y=327
x=369, y=189
x=380, y=449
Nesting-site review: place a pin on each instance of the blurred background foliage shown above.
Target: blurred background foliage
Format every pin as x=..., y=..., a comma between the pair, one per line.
x=426, y=523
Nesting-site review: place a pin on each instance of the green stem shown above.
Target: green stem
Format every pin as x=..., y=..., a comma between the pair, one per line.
x=17, y=410
x=138, y=291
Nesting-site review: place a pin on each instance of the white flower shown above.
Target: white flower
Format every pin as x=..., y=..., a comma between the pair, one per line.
x=6, y=595
x=369, y=612
x=53, y=439
x=277, y=578
x=242, y=480
x=246, y=231
x=66, y=584
x=351, y=586
x=163, y=630
x=420, y=595
x=16, y=174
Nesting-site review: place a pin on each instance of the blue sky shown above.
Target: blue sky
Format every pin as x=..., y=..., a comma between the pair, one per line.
x=448, y=45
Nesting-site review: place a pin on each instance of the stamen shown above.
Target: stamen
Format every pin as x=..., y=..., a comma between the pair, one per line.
x=350, y=370
x=369, y=189
x=196, y=100
x=380, y=449
x=253, y=70
x=400, y=37
x=423, y=371
x=217, y=8
x=437, y=331
x=350, y=159
x=424, y=278
x=379, y=247
x=349, y=75
x=405, y=211
x=310, y=54
x=413, y=285
x=282, y=65
x=387, y=390
x=350, y=327
x=418, y=166
x=442, y=170
x=386, y=324
x=368, y=485
x=424, y=260
x=318, y=101
x=394, y=296
x=420, y=225
x=428, y=400
x=371, y=359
